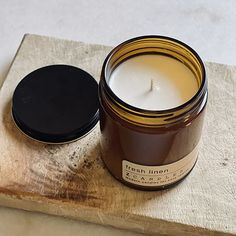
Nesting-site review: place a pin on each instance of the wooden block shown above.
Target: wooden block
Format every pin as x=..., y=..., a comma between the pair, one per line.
x=70, y=180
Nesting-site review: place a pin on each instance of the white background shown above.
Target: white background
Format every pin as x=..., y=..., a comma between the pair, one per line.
x=209, y=26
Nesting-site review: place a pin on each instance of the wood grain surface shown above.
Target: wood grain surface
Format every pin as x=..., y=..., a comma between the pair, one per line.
x=70, y=180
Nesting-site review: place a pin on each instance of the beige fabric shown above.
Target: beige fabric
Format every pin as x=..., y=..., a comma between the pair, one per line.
x=70, y=179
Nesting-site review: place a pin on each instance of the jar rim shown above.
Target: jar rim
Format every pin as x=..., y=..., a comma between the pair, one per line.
x=186, y=106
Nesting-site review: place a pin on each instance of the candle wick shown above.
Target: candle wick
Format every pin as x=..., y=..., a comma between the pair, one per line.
x=152, y=85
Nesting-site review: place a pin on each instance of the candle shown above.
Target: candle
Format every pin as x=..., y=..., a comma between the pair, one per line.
x=154, y=147
x=153, y=82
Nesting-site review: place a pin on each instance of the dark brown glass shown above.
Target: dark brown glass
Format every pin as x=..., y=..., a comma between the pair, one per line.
x=150, y=138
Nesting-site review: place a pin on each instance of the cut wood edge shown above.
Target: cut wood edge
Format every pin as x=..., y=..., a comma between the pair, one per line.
x=100, y=216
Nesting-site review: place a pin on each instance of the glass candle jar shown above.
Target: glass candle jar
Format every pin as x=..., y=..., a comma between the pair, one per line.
x=150, y=148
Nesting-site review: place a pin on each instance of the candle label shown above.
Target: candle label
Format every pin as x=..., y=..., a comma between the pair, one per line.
x=155, y=176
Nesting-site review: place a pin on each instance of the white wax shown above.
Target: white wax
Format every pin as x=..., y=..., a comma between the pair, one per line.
x=153, y=82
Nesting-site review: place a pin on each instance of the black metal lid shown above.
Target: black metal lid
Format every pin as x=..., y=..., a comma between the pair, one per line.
x=56, y=104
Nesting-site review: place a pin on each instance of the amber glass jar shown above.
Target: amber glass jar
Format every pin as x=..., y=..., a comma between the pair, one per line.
x=147, y=149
